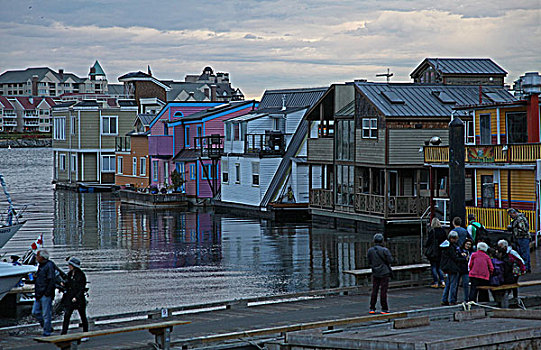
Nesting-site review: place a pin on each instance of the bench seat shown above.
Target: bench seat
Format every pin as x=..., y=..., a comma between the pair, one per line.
x=501, y=293
x=160, y=330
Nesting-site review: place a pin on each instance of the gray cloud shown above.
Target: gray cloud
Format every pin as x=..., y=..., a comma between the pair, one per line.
x=299, y=43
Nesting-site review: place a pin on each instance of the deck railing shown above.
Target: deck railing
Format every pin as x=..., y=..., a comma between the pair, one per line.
x=321, y=198
x=397, y=205
x=265, y=144
x=512, y=153
x=498, y=219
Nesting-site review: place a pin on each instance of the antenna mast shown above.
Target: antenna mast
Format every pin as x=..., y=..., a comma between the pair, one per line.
x=388, y=75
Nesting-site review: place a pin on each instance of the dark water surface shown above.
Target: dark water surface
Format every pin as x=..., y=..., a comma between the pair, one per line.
x=139, y=259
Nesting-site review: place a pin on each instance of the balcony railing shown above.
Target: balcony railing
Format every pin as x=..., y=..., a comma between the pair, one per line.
x=160, y=145
x=512, y=153
x=270, y=143
x=210, y=146
x=321, y=198
x=27, y=123
x=10, y=122
x=122, y=143
x=397, y=205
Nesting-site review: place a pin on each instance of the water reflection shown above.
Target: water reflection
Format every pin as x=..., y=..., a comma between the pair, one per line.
x=167, y=257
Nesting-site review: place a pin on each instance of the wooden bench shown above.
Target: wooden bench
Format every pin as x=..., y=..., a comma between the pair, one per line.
x=415, y=269
x=501, y=293
x=160, y=330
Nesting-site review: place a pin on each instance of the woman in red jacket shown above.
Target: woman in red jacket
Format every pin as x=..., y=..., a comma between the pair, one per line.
x=480, y=267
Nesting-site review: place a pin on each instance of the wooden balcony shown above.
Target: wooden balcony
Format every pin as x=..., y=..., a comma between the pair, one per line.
x=321, y=198
x=270, y=143
x=211, y=146
x=320, y=150
x=397, y=205
x=512, y=153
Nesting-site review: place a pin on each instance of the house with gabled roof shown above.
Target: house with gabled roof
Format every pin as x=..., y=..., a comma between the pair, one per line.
x=463, y=71
x=366, y=159
x=264, y=163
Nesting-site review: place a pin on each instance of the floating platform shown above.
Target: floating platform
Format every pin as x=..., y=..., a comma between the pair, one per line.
x=159, y=200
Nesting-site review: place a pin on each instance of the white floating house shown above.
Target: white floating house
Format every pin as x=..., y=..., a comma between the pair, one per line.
x=264, y=162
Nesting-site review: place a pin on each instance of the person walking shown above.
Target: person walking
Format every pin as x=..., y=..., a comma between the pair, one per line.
x=480, y=267
x=44, y=291
x=379, y=259
x=450, y=264
x=436, y=236
x=520, y=228
x=462, y=232
x=74, y=296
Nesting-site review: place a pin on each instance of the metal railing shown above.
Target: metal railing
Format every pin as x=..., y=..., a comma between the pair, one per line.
x=397, y=205
x=122, y=143
x=498, y=219
x=211, y=146
x=268, y=144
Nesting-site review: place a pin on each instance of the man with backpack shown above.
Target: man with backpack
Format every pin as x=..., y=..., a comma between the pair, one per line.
x=520, y=230
x=477, y=231
x=44, y=291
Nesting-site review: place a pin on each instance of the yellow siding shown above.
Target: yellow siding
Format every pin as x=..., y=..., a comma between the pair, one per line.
x=494, y=118
x=522, y=184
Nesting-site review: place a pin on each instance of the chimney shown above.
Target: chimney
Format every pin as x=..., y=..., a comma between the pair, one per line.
x=34, y=85
x=207, y=92
x=213, y=93
x=480, y=94
x=61, y=73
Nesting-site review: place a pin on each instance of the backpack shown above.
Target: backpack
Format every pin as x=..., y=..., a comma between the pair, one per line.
x=497, y=278
x=481, y=233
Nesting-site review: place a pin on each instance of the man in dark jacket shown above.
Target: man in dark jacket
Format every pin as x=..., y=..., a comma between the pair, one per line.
x=451, y=259
x=44, y=291
x=379, y=259
x=520, y=230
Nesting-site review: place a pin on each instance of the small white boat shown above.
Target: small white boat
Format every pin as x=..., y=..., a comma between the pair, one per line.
x=11, y=274
x=6, y=232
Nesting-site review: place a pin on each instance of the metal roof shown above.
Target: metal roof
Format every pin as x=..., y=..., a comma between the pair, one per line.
x=462, y=66
x=246, y=117
x=215, y=110
x=186, y=155
x=422, y=100
x=145, y=118
x=305, y=97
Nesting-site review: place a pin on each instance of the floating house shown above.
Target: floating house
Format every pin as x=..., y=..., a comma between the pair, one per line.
x=84, y=140
x=264, y=162
x=503, y=152
x=366, y=159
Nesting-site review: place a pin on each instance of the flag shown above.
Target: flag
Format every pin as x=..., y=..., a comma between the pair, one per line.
x=38, y=243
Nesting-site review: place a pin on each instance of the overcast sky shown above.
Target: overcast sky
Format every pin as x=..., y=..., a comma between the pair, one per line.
x=268, y=44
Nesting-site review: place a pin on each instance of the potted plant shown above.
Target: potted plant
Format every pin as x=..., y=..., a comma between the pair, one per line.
x=177, y=180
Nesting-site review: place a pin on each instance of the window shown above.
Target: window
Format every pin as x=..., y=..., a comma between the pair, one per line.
x=484, y=128
x=207, y=170
x=228, y=131
x=198, y=134
x=255, y=174
x=134, y=166
x=59, y=127
x=187, y=134
x=142, y=166
x=107, y=164
x=370, y=128
x=517, y=127
x=470, y=133
x=225, y=171
x=192, y=171
x=73, y=163
x=236, y=132
x=119, y=165
x=109, y=125
x=237, y=173
x=155, y=171
x=62, y=162
x=345, y=130
x=165, y=129
x=72, y=124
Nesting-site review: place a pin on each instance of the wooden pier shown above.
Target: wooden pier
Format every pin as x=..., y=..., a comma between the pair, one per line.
x=272, y=320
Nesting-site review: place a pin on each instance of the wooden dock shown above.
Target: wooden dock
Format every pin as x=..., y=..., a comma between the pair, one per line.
x=252, y=321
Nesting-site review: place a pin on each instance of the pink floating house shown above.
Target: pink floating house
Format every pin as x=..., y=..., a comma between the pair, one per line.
x=190, y=141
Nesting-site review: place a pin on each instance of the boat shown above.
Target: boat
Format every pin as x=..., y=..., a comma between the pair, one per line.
x=10, y=221
x=11, y=274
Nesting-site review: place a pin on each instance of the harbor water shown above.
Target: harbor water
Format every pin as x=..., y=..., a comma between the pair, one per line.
x=140, y=259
